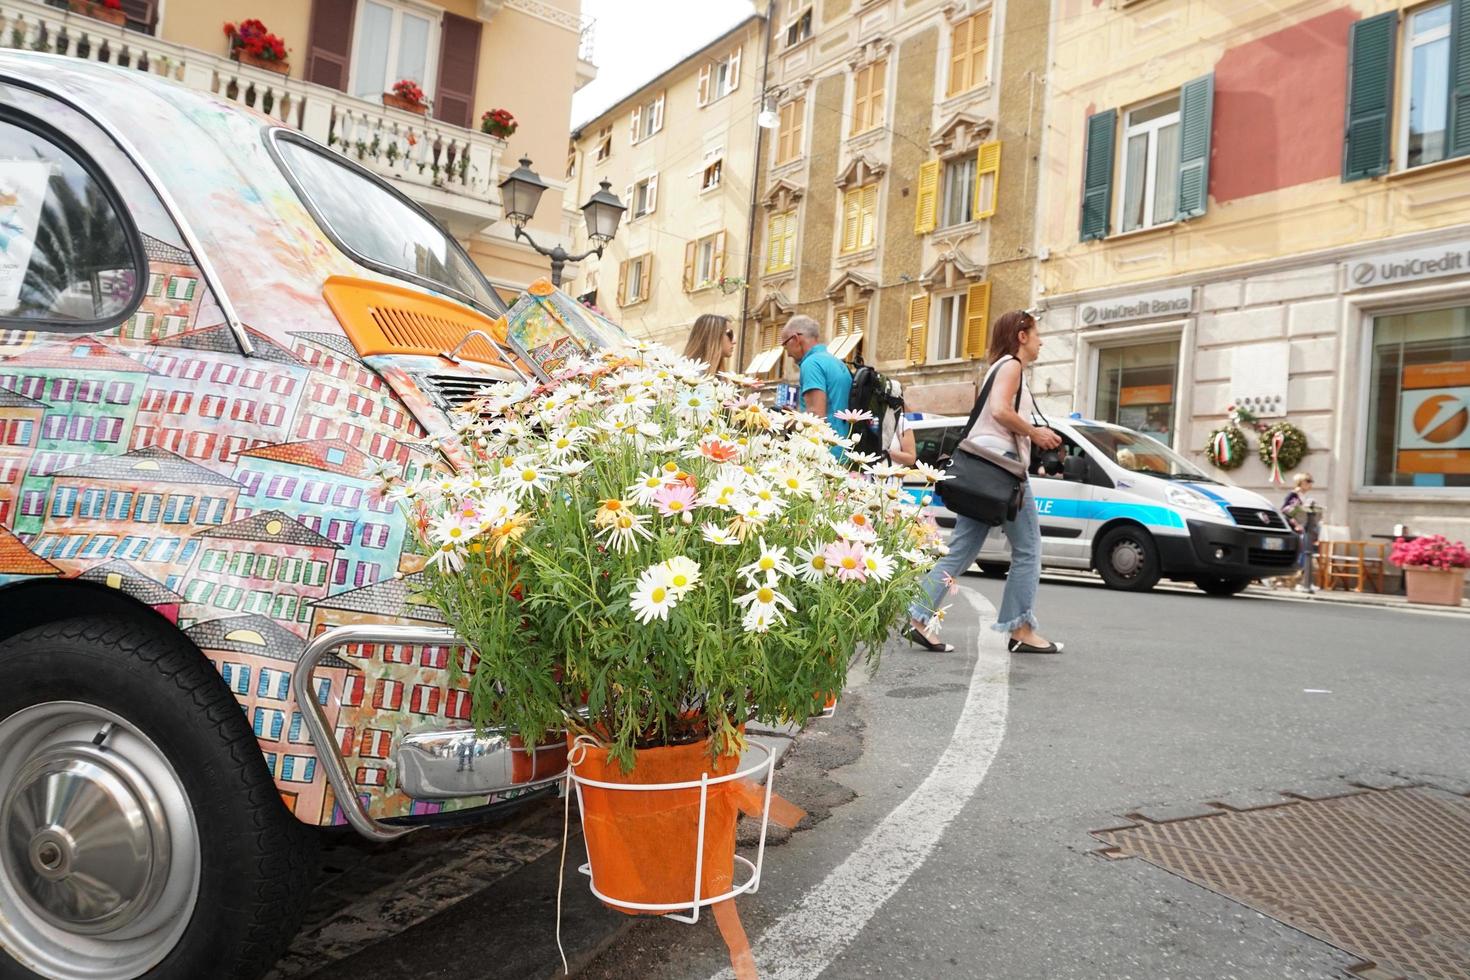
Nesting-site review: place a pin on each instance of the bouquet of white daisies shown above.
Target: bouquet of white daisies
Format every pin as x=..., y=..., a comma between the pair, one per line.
x=646, y=554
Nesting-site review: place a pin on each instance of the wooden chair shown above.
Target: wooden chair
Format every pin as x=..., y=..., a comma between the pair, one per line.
x=1351, y=564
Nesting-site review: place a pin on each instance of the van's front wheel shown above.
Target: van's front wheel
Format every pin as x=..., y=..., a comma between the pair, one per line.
x=140, y=833
x=1127, y=559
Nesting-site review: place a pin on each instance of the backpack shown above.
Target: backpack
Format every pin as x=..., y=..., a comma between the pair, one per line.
x=882, y=397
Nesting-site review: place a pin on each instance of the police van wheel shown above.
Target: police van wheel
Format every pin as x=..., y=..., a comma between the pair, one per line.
x=1215, y=585
x=992, y=569
x=140, y=833
x=1127, y=559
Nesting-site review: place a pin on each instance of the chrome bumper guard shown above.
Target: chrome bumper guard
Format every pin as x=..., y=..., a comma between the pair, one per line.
x=432, y=765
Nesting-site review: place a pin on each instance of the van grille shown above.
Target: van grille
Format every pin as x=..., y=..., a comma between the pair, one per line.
x=1260, y=557
x=1258, y=517
x=453, y=391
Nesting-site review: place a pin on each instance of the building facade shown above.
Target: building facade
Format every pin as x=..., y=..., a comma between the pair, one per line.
x=897, y=193
x=468, y=57
x=680, y=152
x=1268, y=209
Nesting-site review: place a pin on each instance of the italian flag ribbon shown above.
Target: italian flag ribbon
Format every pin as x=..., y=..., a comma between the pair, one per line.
x=1276, y=442
x=1222, y=447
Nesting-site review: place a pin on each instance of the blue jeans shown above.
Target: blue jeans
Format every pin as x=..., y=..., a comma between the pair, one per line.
x=965, y=543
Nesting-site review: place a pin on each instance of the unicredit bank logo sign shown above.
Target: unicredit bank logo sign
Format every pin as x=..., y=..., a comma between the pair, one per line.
x=1409, y=265
x=1435, y=418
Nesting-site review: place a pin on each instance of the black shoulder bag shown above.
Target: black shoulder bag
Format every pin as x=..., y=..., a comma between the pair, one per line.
x=984, y=485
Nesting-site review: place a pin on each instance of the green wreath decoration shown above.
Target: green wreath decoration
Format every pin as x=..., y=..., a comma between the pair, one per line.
x=1293, y=445
x=1232, y=441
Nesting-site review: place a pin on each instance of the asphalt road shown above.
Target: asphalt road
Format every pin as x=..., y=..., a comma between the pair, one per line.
x=952, y=797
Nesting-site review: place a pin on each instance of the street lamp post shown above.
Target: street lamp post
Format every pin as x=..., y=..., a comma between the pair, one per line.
x=521, y=191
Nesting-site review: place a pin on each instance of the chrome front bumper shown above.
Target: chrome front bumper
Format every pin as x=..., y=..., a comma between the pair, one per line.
x=432, y=765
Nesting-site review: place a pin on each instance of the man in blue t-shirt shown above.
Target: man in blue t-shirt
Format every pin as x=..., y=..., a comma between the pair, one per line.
x=825, y=381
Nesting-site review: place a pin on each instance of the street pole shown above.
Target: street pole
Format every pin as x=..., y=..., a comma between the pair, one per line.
x=559, y=256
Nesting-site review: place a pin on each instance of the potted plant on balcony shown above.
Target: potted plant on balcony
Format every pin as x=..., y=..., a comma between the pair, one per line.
x=109, y=11
x=647, y=558
x=406, y=95
x=252, y=44
x=499, y=123
x=1434, y=568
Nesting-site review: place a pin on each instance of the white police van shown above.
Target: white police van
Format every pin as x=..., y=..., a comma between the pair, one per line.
x=1124, y=504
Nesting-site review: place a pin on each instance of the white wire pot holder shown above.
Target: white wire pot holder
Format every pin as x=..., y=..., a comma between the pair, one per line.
x=673, y=910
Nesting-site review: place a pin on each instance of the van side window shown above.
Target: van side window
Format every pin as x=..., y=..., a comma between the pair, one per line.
x=68, y=252
x=932, y=444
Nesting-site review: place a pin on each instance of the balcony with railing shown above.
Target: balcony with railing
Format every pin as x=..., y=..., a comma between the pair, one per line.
x=586, y=38
x=451, y=171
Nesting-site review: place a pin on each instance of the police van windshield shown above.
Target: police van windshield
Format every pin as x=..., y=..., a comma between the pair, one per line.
x=1139, y=453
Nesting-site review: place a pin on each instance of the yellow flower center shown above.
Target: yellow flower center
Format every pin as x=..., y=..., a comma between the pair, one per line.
x=658, y=594
x=455, y=532
x=819, y=563
x=625, y=522
x=767, y=563
x=765, y=596
x=680, y=581
x=528, y=475
x=671, y=467
x=676, y=505
x=849, y=563
x=476, y=547
x=861, y=520
x=612, y=504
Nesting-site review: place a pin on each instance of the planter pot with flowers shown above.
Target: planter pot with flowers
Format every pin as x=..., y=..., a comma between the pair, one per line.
x=406, y=95
x=109, y=11
x=499, y=123
x=1434, y=569
x=647, y=558
x=252, y=44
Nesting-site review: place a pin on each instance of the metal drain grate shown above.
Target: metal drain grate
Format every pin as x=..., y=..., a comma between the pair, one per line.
x=1383, y=874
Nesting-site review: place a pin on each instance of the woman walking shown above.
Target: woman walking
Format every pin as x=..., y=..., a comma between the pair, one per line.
x=711, y=341
x=1305, y=515
x=1015, y=342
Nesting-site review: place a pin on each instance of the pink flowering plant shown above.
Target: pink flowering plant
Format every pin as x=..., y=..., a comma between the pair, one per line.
x=650, y=556
x=1435, y=551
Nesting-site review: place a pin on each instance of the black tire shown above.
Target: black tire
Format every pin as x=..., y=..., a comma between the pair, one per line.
x=992, y=569
x=255, y=861
x=1127, y=559
x=1215, y=585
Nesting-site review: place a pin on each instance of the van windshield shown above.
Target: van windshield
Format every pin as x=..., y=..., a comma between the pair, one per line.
x=377, y=227
x=1139, y=453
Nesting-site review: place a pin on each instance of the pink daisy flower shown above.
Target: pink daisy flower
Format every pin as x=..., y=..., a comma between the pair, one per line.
x=845, y=558
x=674, y=499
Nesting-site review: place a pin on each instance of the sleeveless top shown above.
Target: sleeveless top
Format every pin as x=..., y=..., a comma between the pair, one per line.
x=991, y=434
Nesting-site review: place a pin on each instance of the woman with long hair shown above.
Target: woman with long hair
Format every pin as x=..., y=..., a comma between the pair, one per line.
x=1015, y=342
x=711, y=340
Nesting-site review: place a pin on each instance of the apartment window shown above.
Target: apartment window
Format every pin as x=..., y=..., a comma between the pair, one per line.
x=604, y=144
x=959, y=192
x=868, y=97
x=968, y=54
x=394, y=41
x=791, y=132
x=704, y=262
x=1150, y=165
x=644, y=196
x=799, y=27
x=647, y=119
x=711, y=177
x=781, y=241
x=859, y=217
x=1419, y=401
x=1424, y=92
x=719, y=78
x=849, y=320
x=635, y=277
x=949, y=328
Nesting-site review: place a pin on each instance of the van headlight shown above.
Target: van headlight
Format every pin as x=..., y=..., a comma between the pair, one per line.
x=1189, y=500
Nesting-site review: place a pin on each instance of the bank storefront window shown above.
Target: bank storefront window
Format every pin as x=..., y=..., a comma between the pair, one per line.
x=1135, y=387
x=1419, y=400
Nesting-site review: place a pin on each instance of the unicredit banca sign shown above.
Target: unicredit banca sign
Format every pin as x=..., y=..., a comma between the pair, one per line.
x=1409, y=265
x=1141, y=306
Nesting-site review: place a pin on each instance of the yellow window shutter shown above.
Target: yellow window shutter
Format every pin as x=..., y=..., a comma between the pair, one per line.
x=718, y=270
x=643, y=287
x=859, y=320
x=926, y=209
x=959, y=57
x=979, y=48
x=704, y=74
x=877, y=89
x=623, y=283
x=987, y=179
x=977, y=320
x=797, y=125
x=869, y=210
x=918, y=343
x=773, y=241
x=852, y=214
x=690, y=250
x=788, y=250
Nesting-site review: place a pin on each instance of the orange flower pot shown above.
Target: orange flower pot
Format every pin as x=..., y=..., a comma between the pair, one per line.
x=642, y=846
x=1434, y=586
x=264, y=64
x=399, y=102
x=98, y=12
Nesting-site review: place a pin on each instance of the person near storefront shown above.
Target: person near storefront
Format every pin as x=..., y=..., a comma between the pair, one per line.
x=1304, y=515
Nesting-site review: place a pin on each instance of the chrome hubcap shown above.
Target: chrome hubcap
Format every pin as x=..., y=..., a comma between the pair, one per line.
x=99, y=853
x=1127, y=558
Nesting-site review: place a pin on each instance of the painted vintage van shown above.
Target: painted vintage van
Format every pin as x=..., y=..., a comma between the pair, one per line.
x=215, y=334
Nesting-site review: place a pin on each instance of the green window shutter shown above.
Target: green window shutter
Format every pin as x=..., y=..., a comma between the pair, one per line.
x=1369, y=97
x=1458, y=144
x=1196, y=113
x=1097, y=185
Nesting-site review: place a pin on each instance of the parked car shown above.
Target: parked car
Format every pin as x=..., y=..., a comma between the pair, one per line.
x=1125, y=505
x=214, y=332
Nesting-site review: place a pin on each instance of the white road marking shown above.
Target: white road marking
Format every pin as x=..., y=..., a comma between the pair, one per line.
x=808, y=938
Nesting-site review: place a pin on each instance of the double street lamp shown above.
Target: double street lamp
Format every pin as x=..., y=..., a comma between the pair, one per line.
x=521, y=192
